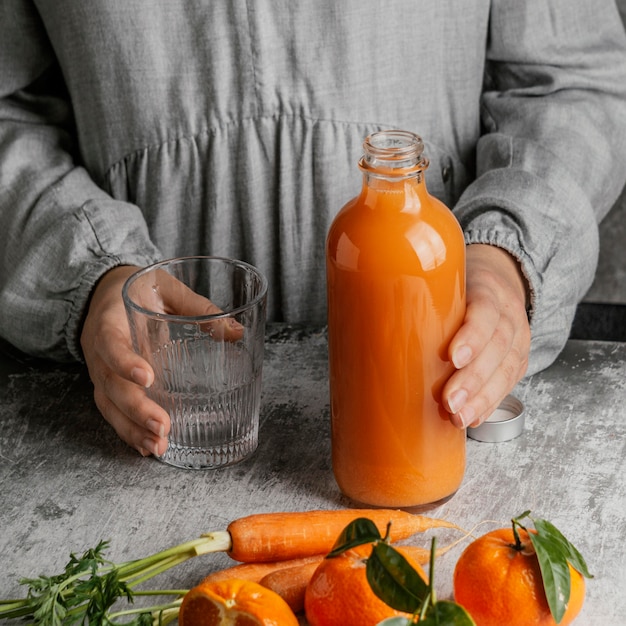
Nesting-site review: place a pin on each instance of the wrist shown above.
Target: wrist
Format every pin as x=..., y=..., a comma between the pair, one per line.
x=107, y=291
x=501, y=262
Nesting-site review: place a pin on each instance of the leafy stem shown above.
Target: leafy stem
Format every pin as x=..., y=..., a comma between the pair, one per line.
x=554, y=552
x=90, y=585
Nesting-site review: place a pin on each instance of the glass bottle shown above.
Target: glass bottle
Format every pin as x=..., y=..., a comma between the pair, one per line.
x=395, y=262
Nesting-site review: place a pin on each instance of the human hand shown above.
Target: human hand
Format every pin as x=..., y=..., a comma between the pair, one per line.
x=490, y=350
x=119, y=375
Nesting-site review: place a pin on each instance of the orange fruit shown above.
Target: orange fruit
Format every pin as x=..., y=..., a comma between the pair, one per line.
x=234, y=602
x=338, y=593
x=498, y=584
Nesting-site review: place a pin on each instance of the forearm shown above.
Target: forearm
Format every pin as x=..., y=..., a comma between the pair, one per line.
x=553, y=158
x=48, y=272
x=58, y=231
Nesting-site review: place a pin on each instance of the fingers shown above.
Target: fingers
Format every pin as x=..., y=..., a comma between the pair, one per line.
x=491, y=349
x=120, y=379
x=482, y=389
x=132, y=423
x=175, y=298
x=118, y=374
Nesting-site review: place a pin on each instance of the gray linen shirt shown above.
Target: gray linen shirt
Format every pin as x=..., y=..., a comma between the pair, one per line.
x=136, y=130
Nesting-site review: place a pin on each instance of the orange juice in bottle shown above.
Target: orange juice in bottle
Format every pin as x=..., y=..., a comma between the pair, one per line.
x=395, y=260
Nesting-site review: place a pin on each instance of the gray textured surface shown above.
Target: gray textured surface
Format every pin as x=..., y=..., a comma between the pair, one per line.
x=67, y=481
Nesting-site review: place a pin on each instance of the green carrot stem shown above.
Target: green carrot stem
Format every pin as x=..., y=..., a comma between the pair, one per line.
x=218, y=541
x=154, y=569
x=159, y=608
x=162, y=618
x=15, y=609
x=161, y=592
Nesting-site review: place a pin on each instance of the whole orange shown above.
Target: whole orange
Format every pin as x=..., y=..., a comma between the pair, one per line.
x=234, y=602
x=338, y=593
x=500, y=585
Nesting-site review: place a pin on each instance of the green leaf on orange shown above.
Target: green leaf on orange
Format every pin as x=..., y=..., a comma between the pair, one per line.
x=575, y=558
x=359, y=531
x=554, y=552
x=394, y=581
x=446, y=613
x=555, y=574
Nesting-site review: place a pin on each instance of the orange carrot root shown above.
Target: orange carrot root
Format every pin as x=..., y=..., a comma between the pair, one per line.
x=282, y=536
x=255, y=572
x=290, y=583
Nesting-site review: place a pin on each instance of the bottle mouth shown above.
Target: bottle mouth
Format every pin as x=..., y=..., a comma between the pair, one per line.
x=393, y=153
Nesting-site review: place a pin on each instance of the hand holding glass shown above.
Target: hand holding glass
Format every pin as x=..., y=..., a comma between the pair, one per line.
x=200, y=323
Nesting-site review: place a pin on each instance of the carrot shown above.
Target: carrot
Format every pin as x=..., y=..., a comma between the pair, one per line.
x=255, y=572
x=281, y=536
x=290, y=583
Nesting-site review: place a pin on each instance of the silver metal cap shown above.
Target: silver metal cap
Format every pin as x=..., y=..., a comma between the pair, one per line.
x=506, y=422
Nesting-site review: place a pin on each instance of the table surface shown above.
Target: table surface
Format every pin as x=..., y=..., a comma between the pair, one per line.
x=67, y=481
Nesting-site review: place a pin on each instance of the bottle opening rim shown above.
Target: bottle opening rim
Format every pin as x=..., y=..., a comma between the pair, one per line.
x=393, y=153
x=393, y=144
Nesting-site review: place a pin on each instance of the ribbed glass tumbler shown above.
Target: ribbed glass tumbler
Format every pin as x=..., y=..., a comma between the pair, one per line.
x=200, y=323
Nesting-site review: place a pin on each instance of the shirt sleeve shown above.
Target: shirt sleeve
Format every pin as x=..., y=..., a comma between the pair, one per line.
x=59, y=232
x=552, y=159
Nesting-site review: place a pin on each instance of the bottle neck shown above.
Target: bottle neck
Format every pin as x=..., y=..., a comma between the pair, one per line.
x=393, y=168
x=394, y=156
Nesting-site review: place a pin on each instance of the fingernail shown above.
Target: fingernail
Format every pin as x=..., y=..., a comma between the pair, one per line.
x=457, y=400
x=467, y=415
x=140, y=376
x=151, y=446
x=461, y=356
x=156, y=427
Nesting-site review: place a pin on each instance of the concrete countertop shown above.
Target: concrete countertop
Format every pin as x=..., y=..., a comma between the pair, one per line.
x=67, y=481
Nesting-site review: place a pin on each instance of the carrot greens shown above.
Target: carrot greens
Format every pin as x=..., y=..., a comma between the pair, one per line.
x=90, y=585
